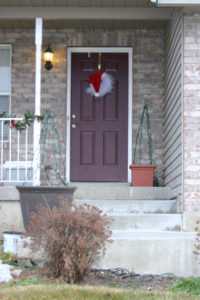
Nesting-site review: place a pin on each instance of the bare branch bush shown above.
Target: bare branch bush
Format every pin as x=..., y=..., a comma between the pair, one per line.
x=73, y=237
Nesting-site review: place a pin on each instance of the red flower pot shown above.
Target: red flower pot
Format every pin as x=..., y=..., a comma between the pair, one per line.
x=142, y=175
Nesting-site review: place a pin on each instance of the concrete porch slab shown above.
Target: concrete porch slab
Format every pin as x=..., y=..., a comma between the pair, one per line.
x=9, y=193
x=115, y=191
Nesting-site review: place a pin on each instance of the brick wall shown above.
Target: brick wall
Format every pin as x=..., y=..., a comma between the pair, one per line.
x=147, y=74
x=192, y=113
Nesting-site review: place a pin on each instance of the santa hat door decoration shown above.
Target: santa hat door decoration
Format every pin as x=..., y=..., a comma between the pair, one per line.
x=101, y=83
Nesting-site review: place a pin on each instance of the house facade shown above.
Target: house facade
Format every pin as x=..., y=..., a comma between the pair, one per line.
x=151, y=48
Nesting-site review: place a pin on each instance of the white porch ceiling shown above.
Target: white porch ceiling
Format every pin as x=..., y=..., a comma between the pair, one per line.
x=58, y=14
x=77, y=3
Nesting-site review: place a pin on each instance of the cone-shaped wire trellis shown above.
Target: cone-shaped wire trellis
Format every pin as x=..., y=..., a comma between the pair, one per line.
x=139, y=137
x=52, y=164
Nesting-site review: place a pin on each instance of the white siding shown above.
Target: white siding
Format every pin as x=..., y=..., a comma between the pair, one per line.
x=172, y=127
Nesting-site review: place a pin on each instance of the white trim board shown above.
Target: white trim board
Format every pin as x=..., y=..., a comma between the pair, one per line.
x=172, y=3
x=9, y=47
x=37, y=125
x=71, y=50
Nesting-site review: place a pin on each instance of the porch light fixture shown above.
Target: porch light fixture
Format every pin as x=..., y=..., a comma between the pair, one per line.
x=48, y=58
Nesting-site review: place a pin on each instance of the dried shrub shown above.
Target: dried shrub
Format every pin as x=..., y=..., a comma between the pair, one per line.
x=73, y=237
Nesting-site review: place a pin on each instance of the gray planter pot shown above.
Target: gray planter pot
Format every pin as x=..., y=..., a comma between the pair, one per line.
x=32, y=196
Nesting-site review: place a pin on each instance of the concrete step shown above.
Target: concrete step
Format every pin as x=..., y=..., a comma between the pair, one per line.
x=133, y=206
x=103, y=191
x=165, y=222
x=150, y=234
x=152, y=252
x=143, y=252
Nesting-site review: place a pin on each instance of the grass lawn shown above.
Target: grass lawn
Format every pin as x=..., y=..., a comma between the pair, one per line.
x=190, y=286
x=65, y=292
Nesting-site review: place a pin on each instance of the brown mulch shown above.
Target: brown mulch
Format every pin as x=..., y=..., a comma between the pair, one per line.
x=113, y=278
x=132, y=280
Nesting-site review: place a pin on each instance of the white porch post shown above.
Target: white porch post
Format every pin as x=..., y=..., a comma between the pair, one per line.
x=36, y=143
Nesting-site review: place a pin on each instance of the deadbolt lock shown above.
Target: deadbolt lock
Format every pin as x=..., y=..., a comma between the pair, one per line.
x=73, y=126
x=73, y=116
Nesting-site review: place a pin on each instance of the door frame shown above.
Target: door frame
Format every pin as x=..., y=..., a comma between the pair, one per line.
x=71, y=50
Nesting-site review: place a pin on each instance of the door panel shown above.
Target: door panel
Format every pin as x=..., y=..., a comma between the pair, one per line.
x=87, y=107
x=99, y=141
x=110, y=147
x=110, y=105
x=87, y=148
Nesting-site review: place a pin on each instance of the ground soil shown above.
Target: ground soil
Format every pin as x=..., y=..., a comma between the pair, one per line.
x=119, y=278
x=114, y=278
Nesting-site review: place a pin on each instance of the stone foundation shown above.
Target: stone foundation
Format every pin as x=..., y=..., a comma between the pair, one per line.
x=10, y=211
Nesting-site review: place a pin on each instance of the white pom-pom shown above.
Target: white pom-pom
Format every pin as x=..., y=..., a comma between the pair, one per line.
x=90, y=90
x=107, y=83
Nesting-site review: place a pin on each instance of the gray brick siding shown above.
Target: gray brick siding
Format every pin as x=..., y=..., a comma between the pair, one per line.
x=192, y=112
x=148, y=53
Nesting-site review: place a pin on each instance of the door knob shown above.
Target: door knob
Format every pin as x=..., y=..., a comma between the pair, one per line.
x=73, y=126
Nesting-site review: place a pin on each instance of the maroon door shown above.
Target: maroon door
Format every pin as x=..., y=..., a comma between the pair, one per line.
x=99, y=141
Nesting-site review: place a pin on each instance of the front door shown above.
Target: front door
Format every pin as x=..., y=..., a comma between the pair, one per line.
x=99, y=126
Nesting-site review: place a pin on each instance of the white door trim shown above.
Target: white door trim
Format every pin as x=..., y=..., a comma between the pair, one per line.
x=71, y=50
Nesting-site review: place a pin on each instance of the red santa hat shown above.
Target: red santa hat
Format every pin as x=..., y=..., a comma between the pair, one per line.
x=95, y=81
x=101, y=83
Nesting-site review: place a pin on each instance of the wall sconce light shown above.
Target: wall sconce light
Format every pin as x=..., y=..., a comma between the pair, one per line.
x=48, y=58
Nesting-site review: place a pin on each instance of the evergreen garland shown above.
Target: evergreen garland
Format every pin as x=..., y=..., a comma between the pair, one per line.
x=21, y=125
